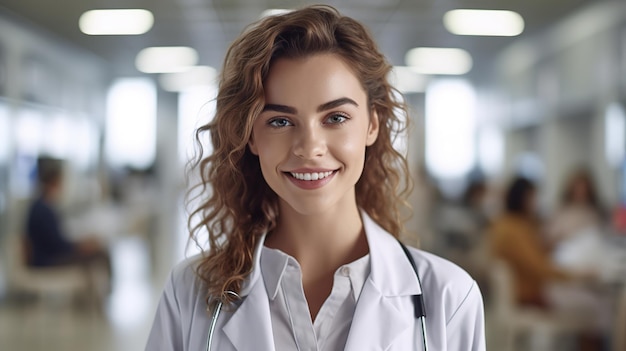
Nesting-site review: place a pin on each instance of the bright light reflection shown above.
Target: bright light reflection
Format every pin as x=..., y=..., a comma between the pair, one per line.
x=615, y=134
x=29, y=132
x=130, y=302
x=450, y=128
x=59, y=139
x=490, y=150
x=116, y=22
x=439, y=60
x=131, y=123
x=166, y=59
x=484, y=22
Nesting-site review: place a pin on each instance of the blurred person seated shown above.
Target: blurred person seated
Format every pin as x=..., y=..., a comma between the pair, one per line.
x=580, y=209
x=515, y=238
x=46, y=243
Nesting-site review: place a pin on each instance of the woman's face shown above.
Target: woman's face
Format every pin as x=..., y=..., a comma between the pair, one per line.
x=312, y=134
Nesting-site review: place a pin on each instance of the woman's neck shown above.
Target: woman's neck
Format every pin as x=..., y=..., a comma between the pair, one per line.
x=325, y=240
x=321, y=243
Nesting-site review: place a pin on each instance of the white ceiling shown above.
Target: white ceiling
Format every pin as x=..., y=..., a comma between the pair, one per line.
x=210, y=25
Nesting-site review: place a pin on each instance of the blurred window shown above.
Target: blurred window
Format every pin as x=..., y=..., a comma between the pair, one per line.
x=450, y=128
x=490, y=150
x=29, y=131
x=131, y=123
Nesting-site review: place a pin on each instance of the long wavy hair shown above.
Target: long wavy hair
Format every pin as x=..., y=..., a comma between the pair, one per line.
x=236, y=205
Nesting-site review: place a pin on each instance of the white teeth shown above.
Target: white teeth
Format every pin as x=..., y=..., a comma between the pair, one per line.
x=311, y=176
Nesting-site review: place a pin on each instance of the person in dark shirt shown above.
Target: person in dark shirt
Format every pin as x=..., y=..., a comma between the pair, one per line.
x=48, y=246
x=46, y=242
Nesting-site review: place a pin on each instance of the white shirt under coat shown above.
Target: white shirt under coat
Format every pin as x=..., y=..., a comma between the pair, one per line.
x=292, y=326
x=383, y=316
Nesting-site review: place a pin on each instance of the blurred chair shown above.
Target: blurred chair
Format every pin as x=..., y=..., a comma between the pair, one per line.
x=67, y=281
x=511, y=322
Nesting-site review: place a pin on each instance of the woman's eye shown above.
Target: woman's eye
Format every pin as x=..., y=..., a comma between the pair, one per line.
x=279, y=122
x=337, y=119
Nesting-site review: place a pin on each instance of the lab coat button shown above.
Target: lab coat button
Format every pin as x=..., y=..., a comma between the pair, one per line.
x=345, y=271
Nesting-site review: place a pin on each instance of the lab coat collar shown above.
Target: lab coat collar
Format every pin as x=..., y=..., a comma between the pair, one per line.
x=250, y=326
x=379, y=317
x=391, y=271
x=255, y=275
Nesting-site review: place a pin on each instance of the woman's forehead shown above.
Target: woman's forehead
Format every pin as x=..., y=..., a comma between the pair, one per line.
x=313, y=79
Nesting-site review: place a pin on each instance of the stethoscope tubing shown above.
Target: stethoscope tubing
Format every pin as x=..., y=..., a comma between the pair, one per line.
x=216, y=314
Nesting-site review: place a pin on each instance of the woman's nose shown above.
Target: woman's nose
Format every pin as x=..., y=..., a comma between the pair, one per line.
x=309, y=142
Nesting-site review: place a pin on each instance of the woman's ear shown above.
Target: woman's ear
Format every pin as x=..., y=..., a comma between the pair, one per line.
x=372, y=130
x=252, y=146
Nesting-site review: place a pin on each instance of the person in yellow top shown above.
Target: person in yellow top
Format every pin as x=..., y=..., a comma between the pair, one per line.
x=515, y=238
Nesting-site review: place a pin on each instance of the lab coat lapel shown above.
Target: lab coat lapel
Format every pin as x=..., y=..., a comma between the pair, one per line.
x=377, y=321
x=384, y=310
x=250, y=327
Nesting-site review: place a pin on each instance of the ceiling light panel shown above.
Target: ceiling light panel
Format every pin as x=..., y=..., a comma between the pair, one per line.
x=116, y=22
x=484, y=22
x=450, y=61
x=166, y=59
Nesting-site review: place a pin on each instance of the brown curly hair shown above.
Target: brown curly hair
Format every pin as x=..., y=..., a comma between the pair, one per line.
x=237, y=206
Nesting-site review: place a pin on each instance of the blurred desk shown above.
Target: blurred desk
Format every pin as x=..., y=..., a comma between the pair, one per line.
x=605, y=254
x=597, y=251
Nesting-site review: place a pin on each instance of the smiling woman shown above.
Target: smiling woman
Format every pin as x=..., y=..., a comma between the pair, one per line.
x=316, y=120
x=301, y=200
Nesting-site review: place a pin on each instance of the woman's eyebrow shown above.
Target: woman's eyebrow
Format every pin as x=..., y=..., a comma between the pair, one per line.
x=323, y=107
x=336, y=103
x=280, y=108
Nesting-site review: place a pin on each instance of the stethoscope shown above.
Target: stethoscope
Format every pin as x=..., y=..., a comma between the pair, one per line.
x=418, y=304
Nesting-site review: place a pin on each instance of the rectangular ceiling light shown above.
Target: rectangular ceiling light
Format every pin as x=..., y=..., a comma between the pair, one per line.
x=116, y=22
x=484, y=22
x=439, y=61
x=166, y=59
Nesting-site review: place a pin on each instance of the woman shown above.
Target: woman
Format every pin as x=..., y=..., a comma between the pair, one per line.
x=303, y=212
x=580, y=209
x=515, y=238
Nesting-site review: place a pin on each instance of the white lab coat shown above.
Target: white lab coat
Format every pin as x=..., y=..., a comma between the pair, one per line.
x=383, y=319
